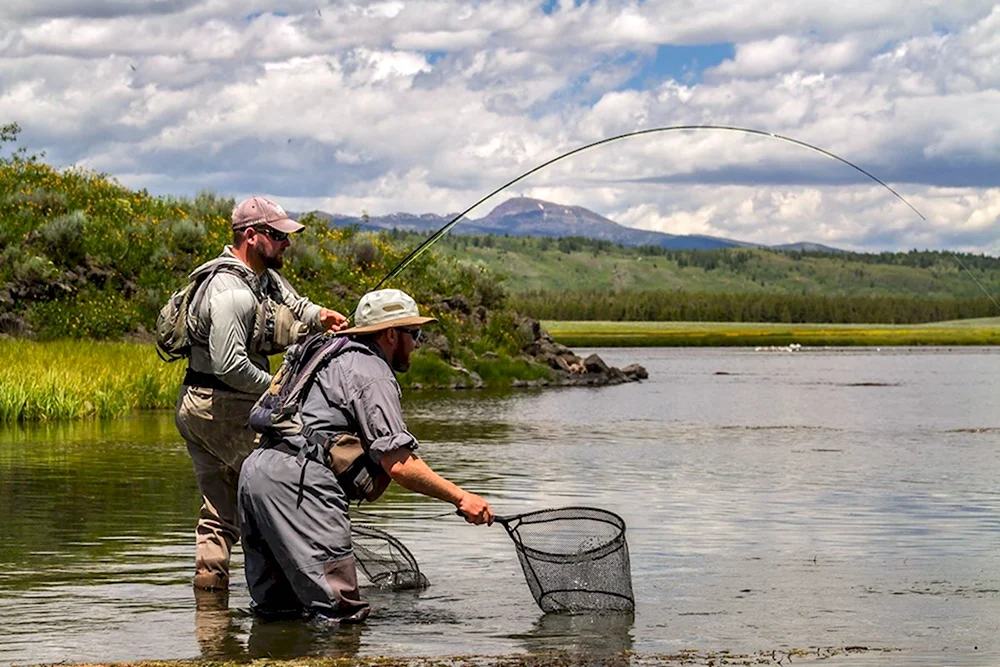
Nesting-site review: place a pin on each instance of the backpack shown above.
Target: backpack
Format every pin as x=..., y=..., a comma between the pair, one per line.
x=276, y=416
x=174, y=335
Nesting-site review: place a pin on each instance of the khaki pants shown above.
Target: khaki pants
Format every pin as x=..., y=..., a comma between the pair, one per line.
x=213, y=423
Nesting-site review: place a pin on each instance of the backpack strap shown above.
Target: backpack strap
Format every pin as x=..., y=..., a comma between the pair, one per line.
x=330, y=348
x=198, y=293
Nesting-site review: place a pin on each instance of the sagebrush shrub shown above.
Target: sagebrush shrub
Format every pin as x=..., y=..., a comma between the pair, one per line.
x=62, y=238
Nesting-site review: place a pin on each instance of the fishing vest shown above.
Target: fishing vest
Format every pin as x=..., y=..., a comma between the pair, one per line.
x=275, y=326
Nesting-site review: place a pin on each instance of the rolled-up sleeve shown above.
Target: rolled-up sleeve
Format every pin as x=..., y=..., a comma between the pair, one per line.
x=380, y=416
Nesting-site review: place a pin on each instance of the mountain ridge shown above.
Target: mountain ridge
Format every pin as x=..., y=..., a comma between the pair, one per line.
x=527, y=216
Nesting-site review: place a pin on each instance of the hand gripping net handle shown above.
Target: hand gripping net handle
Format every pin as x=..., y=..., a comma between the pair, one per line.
x=575, y=559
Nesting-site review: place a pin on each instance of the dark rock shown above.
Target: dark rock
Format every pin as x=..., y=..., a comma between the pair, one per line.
x=436, y=341
x=635, y=371
x=12, y=325
x=559, y=363
x=594, y=364
x=459, y=303
x=571, y=358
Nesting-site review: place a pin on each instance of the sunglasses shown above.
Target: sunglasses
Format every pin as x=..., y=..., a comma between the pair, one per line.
x=272, y=233
x=414, y=333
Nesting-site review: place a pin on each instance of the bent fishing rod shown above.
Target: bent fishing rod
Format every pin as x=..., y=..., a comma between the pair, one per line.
x=436, y=236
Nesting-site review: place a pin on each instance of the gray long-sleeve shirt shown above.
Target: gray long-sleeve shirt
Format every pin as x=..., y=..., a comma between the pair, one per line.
x=226, y=317
x=357, y=392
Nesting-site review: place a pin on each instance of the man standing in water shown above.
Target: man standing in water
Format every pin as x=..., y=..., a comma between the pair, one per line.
x=294, y=509
x=241, y=311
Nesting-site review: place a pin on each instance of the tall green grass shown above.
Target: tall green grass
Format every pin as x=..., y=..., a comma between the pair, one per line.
x=76, y=379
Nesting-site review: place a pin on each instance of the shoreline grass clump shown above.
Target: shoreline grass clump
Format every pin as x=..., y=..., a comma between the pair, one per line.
x=72, y=379
x=984, y=331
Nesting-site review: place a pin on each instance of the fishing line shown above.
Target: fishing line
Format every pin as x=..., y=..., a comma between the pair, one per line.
x=436, y=236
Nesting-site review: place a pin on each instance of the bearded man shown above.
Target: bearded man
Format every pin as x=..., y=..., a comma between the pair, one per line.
x=242, y=311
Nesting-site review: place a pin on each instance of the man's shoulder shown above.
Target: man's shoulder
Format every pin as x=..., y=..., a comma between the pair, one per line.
x=231, y=281
x=362, y=365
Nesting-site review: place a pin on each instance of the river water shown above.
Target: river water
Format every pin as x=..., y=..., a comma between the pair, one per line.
x=774, y=500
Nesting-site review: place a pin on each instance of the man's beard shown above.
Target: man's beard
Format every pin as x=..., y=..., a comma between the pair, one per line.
x=400, y=362
x=275, y=262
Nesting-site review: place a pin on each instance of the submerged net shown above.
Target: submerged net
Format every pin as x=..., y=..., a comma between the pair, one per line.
x=384, y=560
x=574, y=558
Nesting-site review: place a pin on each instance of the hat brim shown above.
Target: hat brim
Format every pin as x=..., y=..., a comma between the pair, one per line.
x=286, y=225
x=413, y=321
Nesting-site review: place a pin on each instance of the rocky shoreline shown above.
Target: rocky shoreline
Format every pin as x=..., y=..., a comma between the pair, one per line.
x=568, y=369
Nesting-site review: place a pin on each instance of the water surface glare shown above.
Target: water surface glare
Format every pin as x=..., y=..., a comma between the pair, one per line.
x=773, y=500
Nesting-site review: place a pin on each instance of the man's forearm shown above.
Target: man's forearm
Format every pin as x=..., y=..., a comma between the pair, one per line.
x=412, y=473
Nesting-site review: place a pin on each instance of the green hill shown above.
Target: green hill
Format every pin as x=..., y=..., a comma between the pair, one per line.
x=583, y=279
x=578, y=264
x=84, y=257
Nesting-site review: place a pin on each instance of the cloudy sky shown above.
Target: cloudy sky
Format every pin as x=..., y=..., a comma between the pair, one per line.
x=427, y=106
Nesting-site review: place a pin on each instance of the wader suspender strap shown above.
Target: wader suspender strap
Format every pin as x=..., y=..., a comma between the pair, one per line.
x=199, y=294
x=315, y=444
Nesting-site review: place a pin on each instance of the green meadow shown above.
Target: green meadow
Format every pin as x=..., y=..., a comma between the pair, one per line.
x=982, y=331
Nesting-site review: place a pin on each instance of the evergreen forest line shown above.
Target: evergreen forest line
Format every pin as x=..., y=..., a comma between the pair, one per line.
x=576, y=278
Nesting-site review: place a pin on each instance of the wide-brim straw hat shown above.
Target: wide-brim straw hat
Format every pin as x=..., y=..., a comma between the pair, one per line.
x=385, y=309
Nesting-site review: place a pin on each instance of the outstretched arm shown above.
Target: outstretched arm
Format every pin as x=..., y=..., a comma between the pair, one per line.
x=412, y=473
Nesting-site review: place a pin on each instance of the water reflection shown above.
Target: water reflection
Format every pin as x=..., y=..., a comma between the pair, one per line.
x=802, y=500
x=593, y=635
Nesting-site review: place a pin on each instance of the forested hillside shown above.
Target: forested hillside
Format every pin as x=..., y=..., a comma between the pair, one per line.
x=583, y=279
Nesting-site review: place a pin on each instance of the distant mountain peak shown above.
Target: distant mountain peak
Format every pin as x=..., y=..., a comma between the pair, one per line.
x=526, y=216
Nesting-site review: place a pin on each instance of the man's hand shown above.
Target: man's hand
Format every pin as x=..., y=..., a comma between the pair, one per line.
x=475, y=509
x=332, y=320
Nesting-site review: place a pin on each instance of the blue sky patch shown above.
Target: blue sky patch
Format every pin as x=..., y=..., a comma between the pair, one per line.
x=250, y=18
x=679, y=62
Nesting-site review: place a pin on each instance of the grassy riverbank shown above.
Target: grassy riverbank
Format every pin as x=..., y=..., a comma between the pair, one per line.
x=983, y=331
x=74, y=379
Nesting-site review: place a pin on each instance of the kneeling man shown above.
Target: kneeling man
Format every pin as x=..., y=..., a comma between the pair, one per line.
x=294, y=512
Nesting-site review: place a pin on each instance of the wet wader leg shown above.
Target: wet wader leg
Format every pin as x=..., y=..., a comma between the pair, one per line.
x=212, y=424
x=272, y=595
x=311, y=540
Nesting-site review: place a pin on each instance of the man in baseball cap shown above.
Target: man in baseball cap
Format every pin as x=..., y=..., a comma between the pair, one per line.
x=241, y=301
x=297, y=531
x=261, y=232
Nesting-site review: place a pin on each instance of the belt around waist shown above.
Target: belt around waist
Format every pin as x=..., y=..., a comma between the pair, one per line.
x=194, y=378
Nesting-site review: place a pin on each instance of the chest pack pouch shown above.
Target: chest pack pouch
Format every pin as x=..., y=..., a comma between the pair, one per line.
x=359, y=476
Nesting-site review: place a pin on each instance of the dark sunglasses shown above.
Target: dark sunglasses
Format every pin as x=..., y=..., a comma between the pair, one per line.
x=414, y=333
x=272, y=233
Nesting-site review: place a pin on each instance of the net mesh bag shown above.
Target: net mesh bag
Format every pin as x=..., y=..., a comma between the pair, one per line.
x=574, y=558
x=384, y=560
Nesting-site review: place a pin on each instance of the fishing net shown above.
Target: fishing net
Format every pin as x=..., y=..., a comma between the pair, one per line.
x=574, y=558
x=384, y=560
